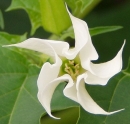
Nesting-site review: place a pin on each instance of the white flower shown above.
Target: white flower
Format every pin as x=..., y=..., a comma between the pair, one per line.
x=76, y=68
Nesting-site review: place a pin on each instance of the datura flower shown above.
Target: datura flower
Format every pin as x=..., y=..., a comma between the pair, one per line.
x=74, y=66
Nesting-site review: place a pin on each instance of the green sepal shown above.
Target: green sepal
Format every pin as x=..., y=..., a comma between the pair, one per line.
x=55, y=18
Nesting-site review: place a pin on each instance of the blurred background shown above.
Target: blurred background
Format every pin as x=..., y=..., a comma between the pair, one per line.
x=107, y=13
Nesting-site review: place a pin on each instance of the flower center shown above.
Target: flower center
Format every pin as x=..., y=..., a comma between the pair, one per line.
x=72, y=68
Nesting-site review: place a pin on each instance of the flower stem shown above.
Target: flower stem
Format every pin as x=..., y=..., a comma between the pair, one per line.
x=78, y=13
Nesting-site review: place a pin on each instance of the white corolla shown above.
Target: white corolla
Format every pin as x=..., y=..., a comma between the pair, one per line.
x=74, y=66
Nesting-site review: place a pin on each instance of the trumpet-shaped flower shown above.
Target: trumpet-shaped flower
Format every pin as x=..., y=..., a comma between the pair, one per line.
x=74, y=66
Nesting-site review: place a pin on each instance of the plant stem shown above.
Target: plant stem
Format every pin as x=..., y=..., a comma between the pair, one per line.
x=78, y=13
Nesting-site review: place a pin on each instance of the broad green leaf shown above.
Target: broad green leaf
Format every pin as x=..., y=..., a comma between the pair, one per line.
x=55, y=18
x=18, y=87
x=114, y=96
x=103, y=29
x=1, y=20
x=32, y=7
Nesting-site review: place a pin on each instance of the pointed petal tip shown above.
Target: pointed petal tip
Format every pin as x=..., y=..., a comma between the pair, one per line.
x=7, y=45
x=124, y=43
x=54, y=117
x=110, y=113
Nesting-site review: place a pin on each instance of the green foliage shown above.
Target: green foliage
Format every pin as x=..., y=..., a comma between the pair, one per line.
x=68, y=116
x=55, y=18
x=49, y=17
x=32, y=7
x=103, y=29
x=93, y=31
x=1, y=20
x=18, y=88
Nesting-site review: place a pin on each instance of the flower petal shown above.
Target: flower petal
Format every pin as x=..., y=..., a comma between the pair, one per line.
x=46, y=95
x=85, y=99
x=108, y=69
x=87, y=54
x=70, y=90
x=95, y=80
x=47, y=74
x=36, y=44
x=81, y=36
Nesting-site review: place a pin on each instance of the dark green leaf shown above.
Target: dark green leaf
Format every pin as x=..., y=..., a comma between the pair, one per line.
x=93, y=31
x=32, y=7
x=68, y=116
x=1, y=20
x=103, y=29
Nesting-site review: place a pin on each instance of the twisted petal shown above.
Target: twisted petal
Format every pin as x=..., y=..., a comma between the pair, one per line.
x=104, y=70
x=48, y=72
x=70, y=91
x=95, y=80
x=108, y=69
x=87, y=54
x=46, y=95
x=81, y=36
x=85, y=99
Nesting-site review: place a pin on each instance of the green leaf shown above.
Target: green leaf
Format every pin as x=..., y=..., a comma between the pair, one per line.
x=93, y=31
x=103, y=29
x=55, y=18
x=65, y=118
x=18, y=92
x=10, y=39
x=114, y=96
x=32, y=7
x=1, y=20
